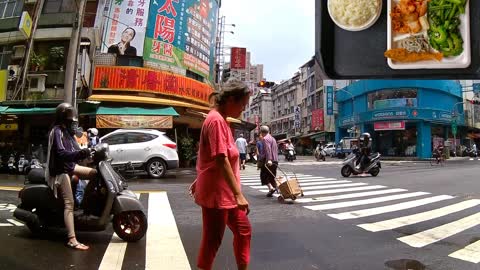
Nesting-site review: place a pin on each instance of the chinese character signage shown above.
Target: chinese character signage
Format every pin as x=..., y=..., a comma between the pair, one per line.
x=238, y=58
x=153, y=81
x=134, y=121
x=329, y=100
x=181, y=36
x=124, y=32
x=317, y=119
x=298, y=119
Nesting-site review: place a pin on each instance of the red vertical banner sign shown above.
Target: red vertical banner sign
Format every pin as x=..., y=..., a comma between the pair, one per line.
x=238, y=58
x=317, y=119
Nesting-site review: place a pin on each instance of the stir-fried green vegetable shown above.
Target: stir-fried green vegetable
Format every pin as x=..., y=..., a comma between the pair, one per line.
x=444, y=35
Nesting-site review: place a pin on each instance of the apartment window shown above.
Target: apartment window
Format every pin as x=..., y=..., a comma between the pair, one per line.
x=59, y=6
x=10, y=8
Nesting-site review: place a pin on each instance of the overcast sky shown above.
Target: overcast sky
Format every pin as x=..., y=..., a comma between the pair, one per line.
x=278, y=33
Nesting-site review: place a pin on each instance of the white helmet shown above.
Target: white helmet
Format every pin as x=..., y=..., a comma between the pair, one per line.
x=93, y=131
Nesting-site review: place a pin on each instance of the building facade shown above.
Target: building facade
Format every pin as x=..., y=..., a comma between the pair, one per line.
x=404, y=117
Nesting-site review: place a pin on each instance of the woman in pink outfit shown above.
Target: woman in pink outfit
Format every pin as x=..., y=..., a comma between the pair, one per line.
x=217, y=187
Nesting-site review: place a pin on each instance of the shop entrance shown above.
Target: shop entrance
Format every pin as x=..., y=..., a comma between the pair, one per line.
x=396, y=143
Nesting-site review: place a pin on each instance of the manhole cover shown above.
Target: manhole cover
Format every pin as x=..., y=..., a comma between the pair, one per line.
x=405, y=264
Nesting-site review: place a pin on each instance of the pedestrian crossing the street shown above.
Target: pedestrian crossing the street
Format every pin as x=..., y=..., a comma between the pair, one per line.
x=360, y=202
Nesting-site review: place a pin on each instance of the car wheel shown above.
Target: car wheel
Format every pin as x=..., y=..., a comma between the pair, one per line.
x=156, y=168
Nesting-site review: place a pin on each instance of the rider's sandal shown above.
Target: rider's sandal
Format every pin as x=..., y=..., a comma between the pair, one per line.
x=77, y=246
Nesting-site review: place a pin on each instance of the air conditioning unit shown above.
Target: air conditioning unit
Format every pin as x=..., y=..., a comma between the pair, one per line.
x=36, y=82
x=18, y=52
x=13, y=72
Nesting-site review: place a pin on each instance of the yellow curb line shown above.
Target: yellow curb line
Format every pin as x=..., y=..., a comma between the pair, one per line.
x=6, y=188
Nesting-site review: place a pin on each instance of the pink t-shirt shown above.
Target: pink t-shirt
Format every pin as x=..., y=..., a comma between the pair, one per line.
x=212, y=190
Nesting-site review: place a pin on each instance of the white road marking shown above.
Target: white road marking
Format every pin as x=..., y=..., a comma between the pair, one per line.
x=14, y=222
x=164, y=246
x=436, y=234
x=349, y=196
x=417, y=218
x=389, y=208
x=300, y=180
x=6, y=225
x=364, y=202
x=258, y=186
x=113, y=257
x=340, y=190
x=470, y=253
x=334, y=186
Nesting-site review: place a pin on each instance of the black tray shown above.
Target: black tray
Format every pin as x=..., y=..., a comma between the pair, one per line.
x=343, y=54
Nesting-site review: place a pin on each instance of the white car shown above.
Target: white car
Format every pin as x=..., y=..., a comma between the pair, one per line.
x=330, y=149
x=146, y=149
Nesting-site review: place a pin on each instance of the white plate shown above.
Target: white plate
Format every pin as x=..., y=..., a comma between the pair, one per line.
x=368, y=24
x=461, y=61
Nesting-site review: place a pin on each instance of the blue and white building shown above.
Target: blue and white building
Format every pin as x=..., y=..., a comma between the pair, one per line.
x=404, y=117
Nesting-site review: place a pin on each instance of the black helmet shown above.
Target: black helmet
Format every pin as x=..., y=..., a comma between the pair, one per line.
x=65, y=114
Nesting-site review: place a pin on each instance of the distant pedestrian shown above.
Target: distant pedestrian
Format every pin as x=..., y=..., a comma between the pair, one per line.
x=260, y=152
x=217, y=187
x=242, y=149
x=268, y=173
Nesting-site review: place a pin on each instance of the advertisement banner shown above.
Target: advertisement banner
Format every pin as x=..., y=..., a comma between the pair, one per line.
x=238, y=58
x=400, y=125
x=181, y=36
x=298, y=120
x=25, y=26
x=3, y=84
x=134, y=121
x=397, y=102
x=317, y=120
x=153, y=81
x=124, y=32
x=329, y=100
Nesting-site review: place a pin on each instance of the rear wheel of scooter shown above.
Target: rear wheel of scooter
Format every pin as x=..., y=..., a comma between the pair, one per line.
x=323, y=158
x=130, y=226
x=375, y=171
x=346, y=171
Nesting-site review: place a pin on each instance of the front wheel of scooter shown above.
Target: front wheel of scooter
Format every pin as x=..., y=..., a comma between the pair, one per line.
x=375, y=171
x=346, y=171
x=130, y=226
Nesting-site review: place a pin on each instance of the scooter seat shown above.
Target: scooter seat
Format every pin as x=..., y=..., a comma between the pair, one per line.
x=36, y=176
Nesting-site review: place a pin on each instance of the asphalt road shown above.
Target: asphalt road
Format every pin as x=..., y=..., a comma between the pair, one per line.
x=412, y=216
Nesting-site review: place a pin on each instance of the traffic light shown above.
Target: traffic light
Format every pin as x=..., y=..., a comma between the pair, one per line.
x=265, y=84
x=474, y=102
x=226, y=74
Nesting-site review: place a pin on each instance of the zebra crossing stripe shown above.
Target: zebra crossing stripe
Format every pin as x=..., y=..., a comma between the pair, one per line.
x=164, y=248
x=14, y=222
x=349, y=196
x=300, y=180
x=113, y=257
x=257, y=185
x=389, y=208
x=470, y=253
x=364, y=202
x=340, y=190
x=436, y=234
x=334, y=186
x=417, y=218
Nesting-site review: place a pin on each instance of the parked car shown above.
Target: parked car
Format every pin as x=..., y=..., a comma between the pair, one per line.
x=142, y=149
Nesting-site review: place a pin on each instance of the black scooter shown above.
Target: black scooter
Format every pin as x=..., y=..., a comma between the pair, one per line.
x=104, y=197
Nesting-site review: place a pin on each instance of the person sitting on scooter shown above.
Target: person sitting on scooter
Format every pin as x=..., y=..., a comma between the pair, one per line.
x=365, y=146
x=63, y=154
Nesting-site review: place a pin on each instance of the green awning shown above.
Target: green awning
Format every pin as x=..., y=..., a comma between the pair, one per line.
x=318, y=135
x=35, y=110
x=169, y=111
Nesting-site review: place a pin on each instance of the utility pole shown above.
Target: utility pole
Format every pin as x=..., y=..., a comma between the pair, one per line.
x=38, y=12
x=72, y=58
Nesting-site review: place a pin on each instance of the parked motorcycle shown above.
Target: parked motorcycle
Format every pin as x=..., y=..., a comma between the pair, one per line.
x=350, y=165
x=22, y=164
x=11, y=164
x=470, y=152
x=320, y=153
x=34, y=164
x=105, y=197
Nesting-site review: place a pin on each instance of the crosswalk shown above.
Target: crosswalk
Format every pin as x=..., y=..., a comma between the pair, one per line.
x=389, y=208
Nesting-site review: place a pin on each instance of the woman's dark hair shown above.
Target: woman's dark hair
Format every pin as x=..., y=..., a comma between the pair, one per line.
x=134, y=32
x=232, y=88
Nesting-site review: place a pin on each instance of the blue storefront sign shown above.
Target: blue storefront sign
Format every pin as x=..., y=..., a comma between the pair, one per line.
x=329, y=100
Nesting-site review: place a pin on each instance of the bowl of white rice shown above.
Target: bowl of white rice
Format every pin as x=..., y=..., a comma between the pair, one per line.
x=354, y=15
